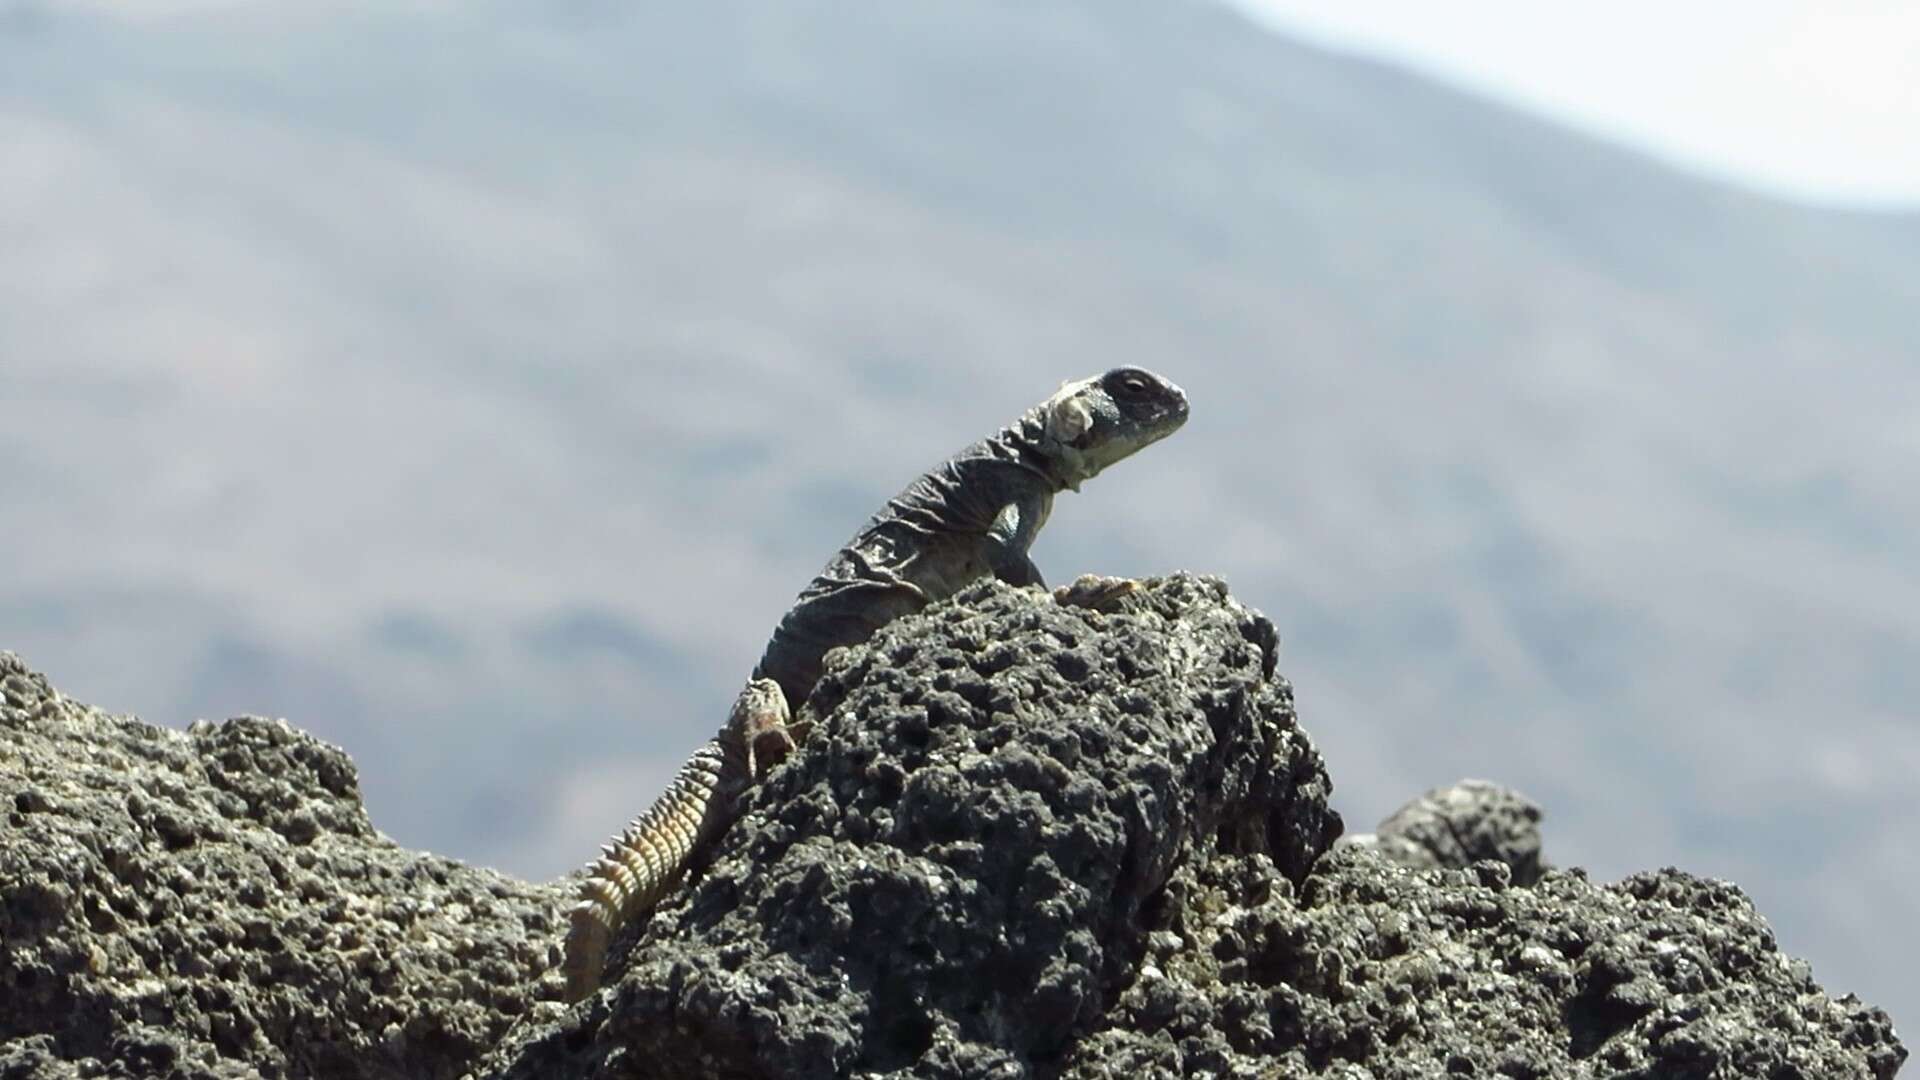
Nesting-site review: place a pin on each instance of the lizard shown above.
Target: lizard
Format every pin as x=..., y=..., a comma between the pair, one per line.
x=973, y=515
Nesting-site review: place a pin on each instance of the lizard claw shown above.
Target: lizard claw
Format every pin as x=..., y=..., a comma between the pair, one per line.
x=1094, y=591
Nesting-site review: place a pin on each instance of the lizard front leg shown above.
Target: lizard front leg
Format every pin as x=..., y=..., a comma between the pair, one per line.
x=1095, y=591
x=1011, y=536
x=1007, y=543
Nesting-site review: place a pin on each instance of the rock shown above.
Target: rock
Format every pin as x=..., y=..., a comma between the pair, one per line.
x=1026, y=840
x=1377, y=971
x=215, y=903
x=954, y=875
x=1460, y=825
x=1021, y=840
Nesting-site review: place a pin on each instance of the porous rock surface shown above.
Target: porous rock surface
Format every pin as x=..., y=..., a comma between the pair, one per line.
x=1459, y=825
x=957, y=874
x=215, y=903
x=1028, y=840
x=1021, y=840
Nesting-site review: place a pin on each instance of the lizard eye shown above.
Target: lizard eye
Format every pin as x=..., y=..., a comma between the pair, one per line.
x=1133, y=384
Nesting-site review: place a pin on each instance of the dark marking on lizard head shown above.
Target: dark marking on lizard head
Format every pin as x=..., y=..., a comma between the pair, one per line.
x=1097, y=421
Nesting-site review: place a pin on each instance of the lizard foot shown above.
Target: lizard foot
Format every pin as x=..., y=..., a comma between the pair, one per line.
x=762, y=722
x=1095, y=591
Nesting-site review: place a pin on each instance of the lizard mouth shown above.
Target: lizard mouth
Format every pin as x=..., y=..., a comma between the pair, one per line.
x=1135, y=424
x=1151, y=402
x=1169, y=413
x=1177, y=410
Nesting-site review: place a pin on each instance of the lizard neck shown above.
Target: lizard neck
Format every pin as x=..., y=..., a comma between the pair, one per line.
x=1056, y=468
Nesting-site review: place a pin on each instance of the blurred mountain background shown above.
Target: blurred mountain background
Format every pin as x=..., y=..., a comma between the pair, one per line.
x=474, y=385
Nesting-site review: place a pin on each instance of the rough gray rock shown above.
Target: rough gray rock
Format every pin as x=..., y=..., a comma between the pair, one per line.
x=1457, y=826
x=1376, y=971
x=955, y=874
x=215, y=903
x=1021, y=840
x=1033, y=841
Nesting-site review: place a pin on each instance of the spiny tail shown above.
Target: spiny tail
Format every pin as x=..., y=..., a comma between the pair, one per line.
x=643, y=862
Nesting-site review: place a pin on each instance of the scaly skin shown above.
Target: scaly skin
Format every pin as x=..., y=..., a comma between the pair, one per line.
x=638, y=867
x=975, y=514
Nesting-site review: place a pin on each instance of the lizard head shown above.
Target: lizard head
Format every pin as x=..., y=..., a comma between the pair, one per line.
x=1094, y=422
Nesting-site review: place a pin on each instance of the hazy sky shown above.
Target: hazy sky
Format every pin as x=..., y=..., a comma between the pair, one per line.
x=1815, y=99
x=1811, y=99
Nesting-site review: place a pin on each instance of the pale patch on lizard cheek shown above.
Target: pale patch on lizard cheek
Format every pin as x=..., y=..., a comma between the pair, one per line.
x=1068, y=420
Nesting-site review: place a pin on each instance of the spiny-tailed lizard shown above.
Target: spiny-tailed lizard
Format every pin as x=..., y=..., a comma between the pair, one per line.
x=975, y=514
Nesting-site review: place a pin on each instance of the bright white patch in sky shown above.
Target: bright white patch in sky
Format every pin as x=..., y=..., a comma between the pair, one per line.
x=1811, y=99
